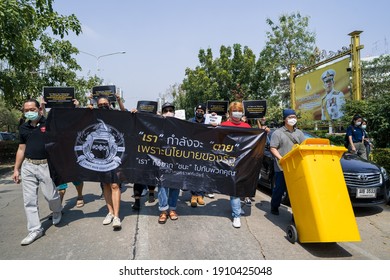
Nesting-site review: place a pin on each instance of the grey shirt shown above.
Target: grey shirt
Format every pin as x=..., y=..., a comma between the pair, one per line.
x=283, y=143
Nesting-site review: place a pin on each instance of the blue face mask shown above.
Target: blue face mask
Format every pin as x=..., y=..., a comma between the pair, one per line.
x=31, y=116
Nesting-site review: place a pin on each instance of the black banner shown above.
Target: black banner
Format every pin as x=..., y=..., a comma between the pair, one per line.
x=108, y=91
x=218, y=107
x=147, y=106
x=255, y=109
x=113, y=146
x=60, y=97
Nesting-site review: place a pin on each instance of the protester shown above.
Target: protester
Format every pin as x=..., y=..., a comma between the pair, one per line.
x=167, y=197
x=355, y=135
x=367, y=142
x=140, y=190
x=79, y=185
x=31, y=160
x=111, y=190
x=197, y=196
x=236, y=112
x=282, y=141
x=79, y=188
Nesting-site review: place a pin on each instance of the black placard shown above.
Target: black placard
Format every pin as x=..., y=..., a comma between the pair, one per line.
x=147, y=106
x=255, y=109
x=59, y=97
x=108, y=91
x=218, y=107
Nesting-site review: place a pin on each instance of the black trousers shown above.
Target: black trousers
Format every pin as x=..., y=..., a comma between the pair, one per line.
x=138, y=188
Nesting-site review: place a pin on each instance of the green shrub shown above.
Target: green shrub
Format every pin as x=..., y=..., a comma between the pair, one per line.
x=8, y=151
x=381, y=156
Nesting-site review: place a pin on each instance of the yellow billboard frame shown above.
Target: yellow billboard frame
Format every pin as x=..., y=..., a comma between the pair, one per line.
x=354, y=51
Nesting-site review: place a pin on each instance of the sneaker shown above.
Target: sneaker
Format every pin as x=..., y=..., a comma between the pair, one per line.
x=194, y=201
x=136, y=205
x=201, y=201
x=108, y=219
x=144, y=192
x=31, y=237
x=116, y=224
x=236, y=222
x=209, y=195
x=275, y=211
x=248, y=201
x=57, y=217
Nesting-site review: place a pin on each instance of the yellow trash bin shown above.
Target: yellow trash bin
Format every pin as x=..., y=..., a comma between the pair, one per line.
x=318, y=194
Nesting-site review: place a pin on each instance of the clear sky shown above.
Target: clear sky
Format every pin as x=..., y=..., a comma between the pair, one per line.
x=162, y=38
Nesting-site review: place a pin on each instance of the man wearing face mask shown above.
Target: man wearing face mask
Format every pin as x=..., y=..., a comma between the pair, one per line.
x=355, y=135
x=197, y=196
x=31, y=160
x=282, y=141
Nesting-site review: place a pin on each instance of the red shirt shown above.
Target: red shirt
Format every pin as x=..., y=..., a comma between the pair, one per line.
x=241, y=124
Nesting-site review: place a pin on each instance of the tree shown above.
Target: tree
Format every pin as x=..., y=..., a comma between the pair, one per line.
x=288, y=42
x=227, y=77
x=33, y=52
x=375, y=106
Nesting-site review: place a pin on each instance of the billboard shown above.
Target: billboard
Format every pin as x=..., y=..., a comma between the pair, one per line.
x=323, y=92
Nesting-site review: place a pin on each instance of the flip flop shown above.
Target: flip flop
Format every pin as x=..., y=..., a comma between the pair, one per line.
x=80, y=202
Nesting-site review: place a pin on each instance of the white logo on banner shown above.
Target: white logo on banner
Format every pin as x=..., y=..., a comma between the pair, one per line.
x=99, y=147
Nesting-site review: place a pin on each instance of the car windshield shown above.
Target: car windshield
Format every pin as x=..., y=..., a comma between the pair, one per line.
x=6, y=136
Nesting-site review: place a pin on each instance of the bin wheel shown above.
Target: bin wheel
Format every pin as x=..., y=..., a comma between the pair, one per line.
x=292, y=234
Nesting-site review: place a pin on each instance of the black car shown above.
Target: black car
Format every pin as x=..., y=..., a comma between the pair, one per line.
x=7, y=136
x=368, y=184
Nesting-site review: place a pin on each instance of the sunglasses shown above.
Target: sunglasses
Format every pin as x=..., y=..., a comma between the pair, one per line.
x=168, y=110
x=103, y=105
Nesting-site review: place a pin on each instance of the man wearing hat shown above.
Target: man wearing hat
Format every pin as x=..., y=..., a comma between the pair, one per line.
x=197, y=196
x=333, y=100
x=282, y=141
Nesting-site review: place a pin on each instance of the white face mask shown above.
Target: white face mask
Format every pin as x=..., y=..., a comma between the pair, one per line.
x=358, y=123
x=364, y=126
x=292, y=122
x=237, y=115
x=169, y=114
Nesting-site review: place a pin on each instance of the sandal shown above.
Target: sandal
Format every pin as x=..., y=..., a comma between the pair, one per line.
x=80, y=202
x=163, y=218
x=173, y=215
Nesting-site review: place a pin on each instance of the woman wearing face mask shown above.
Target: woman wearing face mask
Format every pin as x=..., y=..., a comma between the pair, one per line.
x=355, y=135
x=367, y=142
x=236, y=112
x=282, y=141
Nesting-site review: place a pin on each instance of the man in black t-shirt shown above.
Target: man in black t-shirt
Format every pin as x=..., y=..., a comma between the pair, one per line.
x=31, y=160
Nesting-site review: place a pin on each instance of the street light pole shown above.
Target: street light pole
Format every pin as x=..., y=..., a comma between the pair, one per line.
x=100, y=56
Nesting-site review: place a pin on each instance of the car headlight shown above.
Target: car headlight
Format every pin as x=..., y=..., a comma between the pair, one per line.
x=384, y=172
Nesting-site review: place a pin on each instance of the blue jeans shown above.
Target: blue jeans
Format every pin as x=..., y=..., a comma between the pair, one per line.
x=167, y=198
x=278, y=191
x=235, y=203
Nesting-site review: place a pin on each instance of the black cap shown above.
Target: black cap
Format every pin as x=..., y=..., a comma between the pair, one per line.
x=201, y=106
x=166, y=105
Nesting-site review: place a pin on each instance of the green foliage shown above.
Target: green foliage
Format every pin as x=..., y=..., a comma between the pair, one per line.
x=9, y=118
x=288, y=42
x=237, y=75
x=381, y=156
x=33, y=53
x=8, y=151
